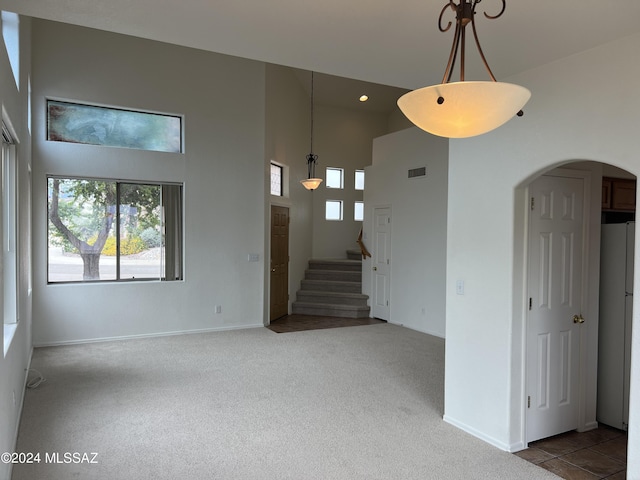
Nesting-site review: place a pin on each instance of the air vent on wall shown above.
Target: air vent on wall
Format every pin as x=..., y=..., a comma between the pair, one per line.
x=417, y=172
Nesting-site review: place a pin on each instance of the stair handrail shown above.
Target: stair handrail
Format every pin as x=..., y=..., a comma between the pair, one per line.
x=363, y=250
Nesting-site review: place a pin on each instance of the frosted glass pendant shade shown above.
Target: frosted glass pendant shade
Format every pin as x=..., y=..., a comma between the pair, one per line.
x=469, y=108
x=311, y=183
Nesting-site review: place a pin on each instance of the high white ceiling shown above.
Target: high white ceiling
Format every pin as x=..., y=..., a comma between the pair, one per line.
x=395, y=43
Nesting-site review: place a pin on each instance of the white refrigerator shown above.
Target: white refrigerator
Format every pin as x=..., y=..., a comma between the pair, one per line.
x=614, y=332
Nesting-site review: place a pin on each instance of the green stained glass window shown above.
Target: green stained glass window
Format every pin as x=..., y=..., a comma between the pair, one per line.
x=95, y=125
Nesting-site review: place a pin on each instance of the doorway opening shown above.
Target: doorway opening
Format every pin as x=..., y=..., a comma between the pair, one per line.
x=601, y=392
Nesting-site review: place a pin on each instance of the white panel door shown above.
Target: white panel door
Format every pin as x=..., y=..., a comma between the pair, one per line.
x=381, y=263
x=555, y=305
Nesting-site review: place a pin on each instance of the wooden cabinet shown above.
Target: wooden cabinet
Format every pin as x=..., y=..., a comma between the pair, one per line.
x=618, y=194
x=606, y=194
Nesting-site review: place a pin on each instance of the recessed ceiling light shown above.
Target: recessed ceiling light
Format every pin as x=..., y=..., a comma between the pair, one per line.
x=364, y=98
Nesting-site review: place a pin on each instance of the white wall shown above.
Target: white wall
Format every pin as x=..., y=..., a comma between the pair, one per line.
x=342, y=138
x=287, y=143
x=15, y=361
x=418, y=226
x=573, y=115
x=222, y=99
x=398, y=121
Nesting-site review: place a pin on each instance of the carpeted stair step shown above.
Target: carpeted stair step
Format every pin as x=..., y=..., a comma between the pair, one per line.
x=335, y=264
x=331, y=286
x=337, y=275
x=332, y=298
x=323, y=309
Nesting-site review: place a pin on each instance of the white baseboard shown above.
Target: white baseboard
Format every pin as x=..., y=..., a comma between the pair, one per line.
x=415, y=329
x=145, y=335
x=478, y=434
x=20, y=407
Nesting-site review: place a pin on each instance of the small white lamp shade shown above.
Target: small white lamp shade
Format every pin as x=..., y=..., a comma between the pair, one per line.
x=469, y=108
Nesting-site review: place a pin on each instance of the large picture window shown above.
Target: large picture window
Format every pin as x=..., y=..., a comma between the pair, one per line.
x=108, y=230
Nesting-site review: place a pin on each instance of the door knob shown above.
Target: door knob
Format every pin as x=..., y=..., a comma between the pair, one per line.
x=273, y=269
x=578, y=319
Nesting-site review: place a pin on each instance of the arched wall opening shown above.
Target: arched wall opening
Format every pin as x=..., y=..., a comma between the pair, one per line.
x=604, y=338
x=565, y=120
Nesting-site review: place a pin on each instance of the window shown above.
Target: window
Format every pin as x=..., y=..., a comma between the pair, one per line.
x=108, y=230
x=94, y=125
x=9, y=290
x=276, y=180
x=11, y=37
x=333, y=210
x=359, y=180
x=335, y=177
x=358, y=211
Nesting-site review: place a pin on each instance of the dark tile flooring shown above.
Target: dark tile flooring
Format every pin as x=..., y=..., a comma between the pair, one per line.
x=596, y=454
x=298, y=323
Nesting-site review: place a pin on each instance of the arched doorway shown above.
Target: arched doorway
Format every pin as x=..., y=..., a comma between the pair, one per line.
x=599, y=209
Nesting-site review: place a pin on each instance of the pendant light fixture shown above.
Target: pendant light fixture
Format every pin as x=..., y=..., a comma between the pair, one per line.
x=465, y=108
x=311, y=182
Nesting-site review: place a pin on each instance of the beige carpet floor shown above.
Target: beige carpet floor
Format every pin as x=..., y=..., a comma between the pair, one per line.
x=349, y=403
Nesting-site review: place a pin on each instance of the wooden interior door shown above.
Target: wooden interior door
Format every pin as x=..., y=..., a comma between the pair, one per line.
x=279, y=262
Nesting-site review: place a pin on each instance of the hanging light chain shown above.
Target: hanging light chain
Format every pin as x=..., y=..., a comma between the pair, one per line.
x=311, y=158
x=311, y=150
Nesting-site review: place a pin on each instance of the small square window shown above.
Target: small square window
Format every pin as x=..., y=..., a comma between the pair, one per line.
x=276, y=180
x=359, y=179
x=334, y=210
x=358, y=211
x=335, y=177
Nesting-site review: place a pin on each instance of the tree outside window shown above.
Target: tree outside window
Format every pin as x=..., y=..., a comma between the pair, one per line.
x=108, y=230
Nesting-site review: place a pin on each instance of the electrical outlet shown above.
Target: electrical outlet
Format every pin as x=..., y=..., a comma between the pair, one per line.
x=460, y=287
x=14, y=398
x=218, y=308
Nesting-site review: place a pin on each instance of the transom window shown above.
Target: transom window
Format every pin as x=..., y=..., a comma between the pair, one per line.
x=115, y=127
x=109, y=230
x=11, y=37
x=276, y=180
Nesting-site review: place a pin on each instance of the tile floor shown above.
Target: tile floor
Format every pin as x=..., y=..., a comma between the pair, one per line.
x=597, y=454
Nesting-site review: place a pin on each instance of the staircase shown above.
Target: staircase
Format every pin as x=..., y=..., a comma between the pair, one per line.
x=332, y=288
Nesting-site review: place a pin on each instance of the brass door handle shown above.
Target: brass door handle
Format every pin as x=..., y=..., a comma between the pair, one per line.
x=578, y=318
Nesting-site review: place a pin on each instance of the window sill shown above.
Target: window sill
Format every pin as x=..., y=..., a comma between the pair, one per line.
x=9, y=332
